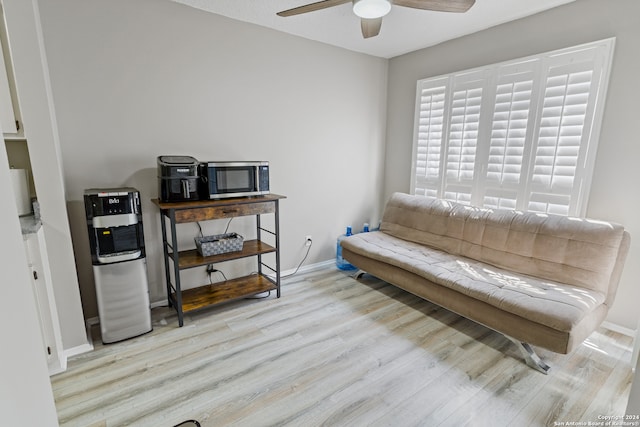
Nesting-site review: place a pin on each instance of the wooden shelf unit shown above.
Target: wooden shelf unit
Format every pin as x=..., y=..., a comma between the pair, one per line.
x=210, y=294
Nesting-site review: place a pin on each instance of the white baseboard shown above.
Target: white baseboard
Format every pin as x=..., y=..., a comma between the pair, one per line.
x=84, y=348
x=630, y=333
x=619, y=329
x=308, y=268
x=74, y=351
x=58, y=369
x=161, y=303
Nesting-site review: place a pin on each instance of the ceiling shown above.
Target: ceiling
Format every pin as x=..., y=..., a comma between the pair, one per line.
x=403, y=29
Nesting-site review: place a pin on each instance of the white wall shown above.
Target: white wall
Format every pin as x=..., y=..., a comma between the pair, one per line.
x=33, y=90
x=633, y=405
x=134, y=80
x=26, y=398
x=613, y=196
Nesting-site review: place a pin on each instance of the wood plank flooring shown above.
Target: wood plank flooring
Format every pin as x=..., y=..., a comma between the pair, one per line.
x=334, y=351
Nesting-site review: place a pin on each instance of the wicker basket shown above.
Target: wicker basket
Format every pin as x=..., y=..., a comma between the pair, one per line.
x=219, y=244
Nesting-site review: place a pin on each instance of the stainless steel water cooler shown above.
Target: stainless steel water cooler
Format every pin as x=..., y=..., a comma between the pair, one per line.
x=114, y=223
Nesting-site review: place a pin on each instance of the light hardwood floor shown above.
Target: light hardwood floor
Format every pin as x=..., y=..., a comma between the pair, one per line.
x=337, y=352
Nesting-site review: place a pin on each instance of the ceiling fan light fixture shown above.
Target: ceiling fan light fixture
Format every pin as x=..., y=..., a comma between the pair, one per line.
x=371, y=9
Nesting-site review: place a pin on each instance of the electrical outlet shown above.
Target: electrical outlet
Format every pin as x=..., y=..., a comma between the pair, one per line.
x=210, y=268
x=307, y=240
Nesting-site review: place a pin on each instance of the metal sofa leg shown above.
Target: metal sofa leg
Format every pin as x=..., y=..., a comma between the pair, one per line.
x=358, y=274
x=530, y=356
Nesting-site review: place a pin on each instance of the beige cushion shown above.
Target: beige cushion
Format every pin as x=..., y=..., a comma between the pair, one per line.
x=550, y=303
x=579, y=252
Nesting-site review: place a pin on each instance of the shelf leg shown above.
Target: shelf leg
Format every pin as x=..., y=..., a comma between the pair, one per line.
x=259, y=238
x=165, y=249
x=176, y=267
x=277, y=226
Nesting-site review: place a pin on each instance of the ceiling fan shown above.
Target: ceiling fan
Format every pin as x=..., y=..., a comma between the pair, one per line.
x=372, y=11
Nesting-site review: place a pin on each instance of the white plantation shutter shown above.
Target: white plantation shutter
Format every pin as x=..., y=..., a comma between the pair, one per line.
x=557, y=152
x=519, y=135
x=447, y=132
x=510, y=141
x=565, y=138
x=427, y=161
x=462, y=141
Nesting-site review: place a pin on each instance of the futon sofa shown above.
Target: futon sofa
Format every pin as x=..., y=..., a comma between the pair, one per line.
x=539, y=279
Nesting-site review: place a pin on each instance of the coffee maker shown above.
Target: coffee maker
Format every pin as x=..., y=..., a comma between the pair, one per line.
x=116, y=240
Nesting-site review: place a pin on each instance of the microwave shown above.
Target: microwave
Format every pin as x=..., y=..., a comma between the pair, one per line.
x=234, y=179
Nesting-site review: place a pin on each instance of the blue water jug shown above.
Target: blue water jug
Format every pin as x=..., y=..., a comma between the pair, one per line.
x=340, y=262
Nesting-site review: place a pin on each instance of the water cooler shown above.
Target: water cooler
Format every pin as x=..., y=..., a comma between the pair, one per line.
x=114, y=222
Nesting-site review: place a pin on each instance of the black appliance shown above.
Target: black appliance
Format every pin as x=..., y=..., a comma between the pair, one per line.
x=178, y=178
x=114, y=221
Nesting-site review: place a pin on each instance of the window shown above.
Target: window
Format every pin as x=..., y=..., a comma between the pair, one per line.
x=520, y=134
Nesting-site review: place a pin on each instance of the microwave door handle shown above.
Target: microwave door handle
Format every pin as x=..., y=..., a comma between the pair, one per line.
x=256, y=179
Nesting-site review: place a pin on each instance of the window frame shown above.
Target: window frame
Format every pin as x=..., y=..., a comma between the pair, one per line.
x=489, y=80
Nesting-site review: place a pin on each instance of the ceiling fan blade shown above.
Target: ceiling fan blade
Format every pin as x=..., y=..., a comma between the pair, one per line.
x=370, y=27
x=437, y=5
x=312, y=7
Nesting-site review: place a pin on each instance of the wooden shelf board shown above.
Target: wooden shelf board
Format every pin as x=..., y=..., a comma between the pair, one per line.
x=192, y=258
x=222, y=202
x=217, y=293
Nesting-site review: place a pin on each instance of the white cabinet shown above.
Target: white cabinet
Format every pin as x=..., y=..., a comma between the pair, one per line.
x=43, y=292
